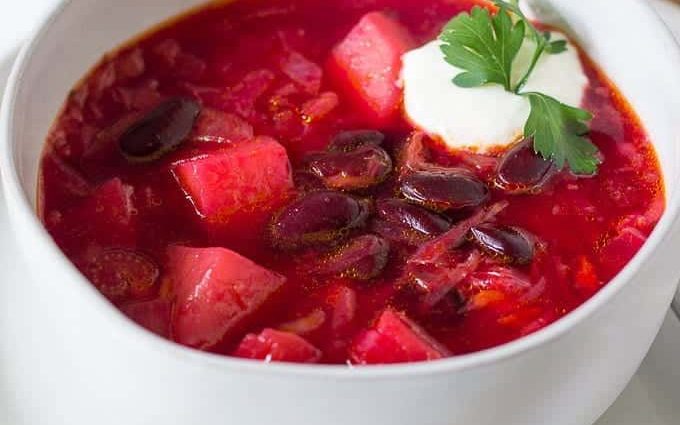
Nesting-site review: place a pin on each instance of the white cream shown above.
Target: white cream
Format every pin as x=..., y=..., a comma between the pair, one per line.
x=482, y=118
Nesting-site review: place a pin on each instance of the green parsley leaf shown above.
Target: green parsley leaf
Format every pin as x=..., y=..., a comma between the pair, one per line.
x=513, y=6
x=558, y=130
x=541, y=38
x=556, y=47
x=484, y=46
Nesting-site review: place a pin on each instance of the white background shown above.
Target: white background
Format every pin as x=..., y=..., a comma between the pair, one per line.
x=17, y=18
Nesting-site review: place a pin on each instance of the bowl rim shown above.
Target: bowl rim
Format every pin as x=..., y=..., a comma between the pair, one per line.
x=20, y=206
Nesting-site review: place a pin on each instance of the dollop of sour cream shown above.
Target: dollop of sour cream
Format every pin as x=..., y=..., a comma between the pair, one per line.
x=483, y=118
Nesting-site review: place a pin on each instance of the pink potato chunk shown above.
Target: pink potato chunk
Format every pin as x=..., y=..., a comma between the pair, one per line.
x=276, y=346
x=395, y=339
x=367, y=63
x=215, y=291
x=249, y=176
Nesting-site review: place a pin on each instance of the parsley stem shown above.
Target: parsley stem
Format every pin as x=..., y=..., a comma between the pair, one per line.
x=540, y=48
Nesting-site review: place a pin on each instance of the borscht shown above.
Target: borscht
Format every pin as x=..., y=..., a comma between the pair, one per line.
x=349, y=181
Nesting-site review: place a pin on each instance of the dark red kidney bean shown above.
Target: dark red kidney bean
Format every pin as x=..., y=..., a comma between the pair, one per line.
x=444, y=190
x=508, y=244
x=160, y=131
x=306, y=181
x=522, y=170
x=359, y=169
x=362, y=258
x=350, y=140
x=120, y=274
x=318, y=218
x=403, y=222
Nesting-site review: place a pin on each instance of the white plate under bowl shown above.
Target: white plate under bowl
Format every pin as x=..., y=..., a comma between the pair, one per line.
x=652, y=398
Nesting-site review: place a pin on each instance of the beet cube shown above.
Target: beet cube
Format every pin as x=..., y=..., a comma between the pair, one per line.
x=395, y=339
x=367, y=63
x=277, y=346
x=247, y=177
x=215, y=291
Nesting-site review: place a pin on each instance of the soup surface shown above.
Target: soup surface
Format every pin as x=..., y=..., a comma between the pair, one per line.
x=229, y=184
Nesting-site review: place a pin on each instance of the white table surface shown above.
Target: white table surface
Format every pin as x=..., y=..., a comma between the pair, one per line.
x=653, y=396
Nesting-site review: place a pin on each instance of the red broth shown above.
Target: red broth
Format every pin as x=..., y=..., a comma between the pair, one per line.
x=116, y=219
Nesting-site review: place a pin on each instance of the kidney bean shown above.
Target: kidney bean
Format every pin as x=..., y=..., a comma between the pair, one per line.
x=522, y=170
x=306, y=181
x=508, y=244
x=318, y=218
x=120, y=274
x=444, y=190
x=362, y=258
x=160, y=131
x=358, y=169
x=403, y=222
x=347, y=141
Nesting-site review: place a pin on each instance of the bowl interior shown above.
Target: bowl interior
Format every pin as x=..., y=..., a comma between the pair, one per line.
x=643, y=63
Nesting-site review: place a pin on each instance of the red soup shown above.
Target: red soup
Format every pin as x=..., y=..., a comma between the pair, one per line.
x=243, y=181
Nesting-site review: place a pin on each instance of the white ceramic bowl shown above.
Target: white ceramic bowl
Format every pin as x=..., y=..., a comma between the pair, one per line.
x=83, y=363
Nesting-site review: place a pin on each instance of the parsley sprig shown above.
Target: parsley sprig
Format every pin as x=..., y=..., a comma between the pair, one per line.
x=485, y=47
